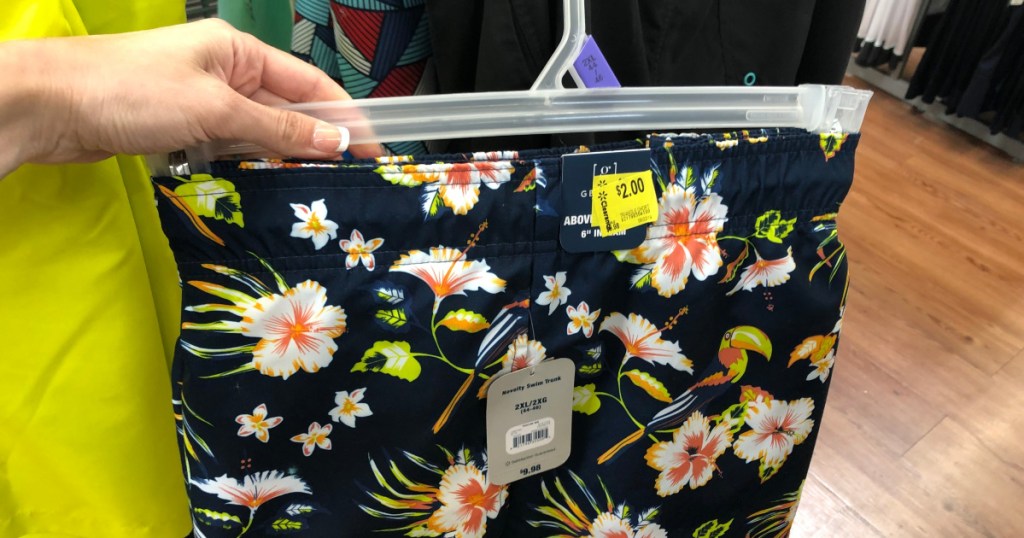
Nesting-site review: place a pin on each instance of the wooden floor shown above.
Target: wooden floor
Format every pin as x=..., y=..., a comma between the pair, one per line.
x=923, y=434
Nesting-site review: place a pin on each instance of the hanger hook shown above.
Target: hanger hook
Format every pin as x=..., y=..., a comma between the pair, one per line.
x=574, y=33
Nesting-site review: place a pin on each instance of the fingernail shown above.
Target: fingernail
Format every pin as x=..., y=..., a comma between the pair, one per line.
x=330, y=139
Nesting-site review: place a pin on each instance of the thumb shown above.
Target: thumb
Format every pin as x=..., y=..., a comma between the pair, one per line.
x=283, y=132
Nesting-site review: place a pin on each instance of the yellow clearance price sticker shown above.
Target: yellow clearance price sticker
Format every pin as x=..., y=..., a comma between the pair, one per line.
x=623, y=201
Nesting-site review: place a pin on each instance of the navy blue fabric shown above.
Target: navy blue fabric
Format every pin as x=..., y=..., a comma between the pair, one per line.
x=754, y=212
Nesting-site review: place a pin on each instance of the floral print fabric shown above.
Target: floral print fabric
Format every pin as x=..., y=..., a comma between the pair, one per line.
x=343, y=321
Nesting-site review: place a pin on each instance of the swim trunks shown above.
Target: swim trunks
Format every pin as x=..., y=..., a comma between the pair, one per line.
x=342, y=321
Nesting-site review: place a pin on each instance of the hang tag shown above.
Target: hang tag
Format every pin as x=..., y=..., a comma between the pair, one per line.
x=623, y=201
x=592, y=68
x=578, y=232
x=529, y=421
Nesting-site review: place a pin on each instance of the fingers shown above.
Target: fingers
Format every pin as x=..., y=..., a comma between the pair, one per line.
x=280, y=131
x=260, y=78
x=286, y=77
x=264, y=96
x=295, y=80
x=351, y=118
x=290, y=133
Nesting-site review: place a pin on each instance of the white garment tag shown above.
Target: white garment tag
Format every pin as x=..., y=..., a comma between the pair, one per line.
x=529, y=421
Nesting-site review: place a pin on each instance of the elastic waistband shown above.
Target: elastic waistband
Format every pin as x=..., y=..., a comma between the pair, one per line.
x=509, y=201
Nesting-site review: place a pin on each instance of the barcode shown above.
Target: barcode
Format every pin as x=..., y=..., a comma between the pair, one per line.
x=530, y=435
x=530, y=438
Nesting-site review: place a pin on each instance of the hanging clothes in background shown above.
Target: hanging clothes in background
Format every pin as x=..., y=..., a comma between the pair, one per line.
x=378, y=48
x=934, y=10
x=998, y=81
x=503, y=45
x=974, y=64
x=885, y=31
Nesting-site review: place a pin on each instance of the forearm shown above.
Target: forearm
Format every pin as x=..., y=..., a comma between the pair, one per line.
x=35, y=113
x=82, y=99
x=15, y=98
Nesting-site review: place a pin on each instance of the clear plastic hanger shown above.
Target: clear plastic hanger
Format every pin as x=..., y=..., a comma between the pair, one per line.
x=548, y=107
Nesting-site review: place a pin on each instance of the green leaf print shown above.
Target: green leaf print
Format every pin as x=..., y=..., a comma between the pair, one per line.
x=708, y=181
x=689, y=177
x=422, y=530
x=394, y=318
x=464, y=320
x=830, y=143
x=286, y=525
x=219, y=519
x=212, y=197
x=773, y=227
x=732, y=269
x=642, y=280
x=433, y=203
x=391, y=358
x=654, y=388
x=767, y=470
x=833, y=259
x=735, y=414
x=389, y=294
x=296, y=509
x=585, y=399
x=408, y=175
x=712, y=529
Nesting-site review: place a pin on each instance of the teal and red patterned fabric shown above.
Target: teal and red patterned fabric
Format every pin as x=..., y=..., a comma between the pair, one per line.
x=373, y=48
x=342, y=320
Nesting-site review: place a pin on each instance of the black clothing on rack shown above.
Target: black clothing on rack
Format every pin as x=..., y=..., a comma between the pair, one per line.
x=974, y=64
x=503, y=45
x=995, y=68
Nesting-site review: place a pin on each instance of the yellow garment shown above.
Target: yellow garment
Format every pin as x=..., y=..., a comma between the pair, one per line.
x=88, y=314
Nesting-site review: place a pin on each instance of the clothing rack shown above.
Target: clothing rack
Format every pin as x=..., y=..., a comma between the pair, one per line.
x=894, y=84
x=200, y=9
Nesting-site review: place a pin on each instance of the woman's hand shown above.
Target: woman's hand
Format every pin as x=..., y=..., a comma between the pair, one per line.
x=81, y=99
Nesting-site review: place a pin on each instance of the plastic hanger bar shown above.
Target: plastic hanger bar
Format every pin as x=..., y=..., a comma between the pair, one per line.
x=550, y=108
x=812, y=107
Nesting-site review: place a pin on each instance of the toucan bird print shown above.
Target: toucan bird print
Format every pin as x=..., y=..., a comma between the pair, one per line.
x=733, y=356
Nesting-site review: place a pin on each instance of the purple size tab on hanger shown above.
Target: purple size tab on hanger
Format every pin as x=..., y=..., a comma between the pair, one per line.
x=592, y=68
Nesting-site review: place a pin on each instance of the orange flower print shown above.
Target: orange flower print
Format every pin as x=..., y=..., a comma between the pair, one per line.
x=643, y=341
x=313, y=224
x=681, y=242
x=689, y=458
x=767, y=273
x=609, y=525
x=569, y=516
x=255, y=489
x=350, y=407
x=775, y=428
x=360, y=250
x=453, y=185
x=581, y=319
x=557, y=294
x=522, y=353
x=252, y=492
x=468, y=501
x=456, y=503
x=294, y=327
x=257, y=423
x=315, y=436
x=296, y=330
x=448, y=272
